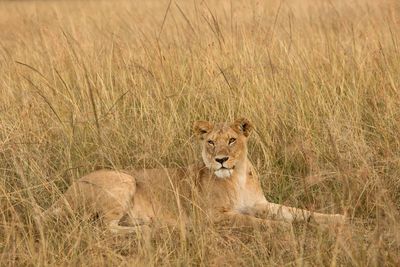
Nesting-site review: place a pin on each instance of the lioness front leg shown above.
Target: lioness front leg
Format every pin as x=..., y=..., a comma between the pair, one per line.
x=290, y=214
x=244, y=220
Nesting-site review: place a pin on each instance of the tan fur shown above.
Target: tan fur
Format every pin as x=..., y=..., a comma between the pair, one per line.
x=175, y=196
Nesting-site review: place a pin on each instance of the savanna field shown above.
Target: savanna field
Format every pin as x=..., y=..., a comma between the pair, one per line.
x=86, y=85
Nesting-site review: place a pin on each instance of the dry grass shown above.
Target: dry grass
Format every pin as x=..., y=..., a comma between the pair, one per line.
x=117, y=84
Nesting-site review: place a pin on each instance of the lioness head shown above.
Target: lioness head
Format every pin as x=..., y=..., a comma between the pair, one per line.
x=224, y=145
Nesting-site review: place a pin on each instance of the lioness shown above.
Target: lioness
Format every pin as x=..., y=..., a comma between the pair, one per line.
x=224, y=186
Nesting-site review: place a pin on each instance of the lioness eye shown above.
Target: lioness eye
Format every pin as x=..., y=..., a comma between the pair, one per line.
x=232, y=140
x=210, y=142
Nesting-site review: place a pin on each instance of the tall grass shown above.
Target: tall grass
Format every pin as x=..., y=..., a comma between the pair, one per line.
x=117, y=84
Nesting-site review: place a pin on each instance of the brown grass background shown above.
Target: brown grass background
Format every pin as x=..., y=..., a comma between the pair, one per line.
x=117, y=84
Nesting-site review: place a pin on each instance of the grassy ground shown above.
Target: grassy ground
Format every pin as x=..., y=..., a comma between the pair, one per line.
x=117, y=84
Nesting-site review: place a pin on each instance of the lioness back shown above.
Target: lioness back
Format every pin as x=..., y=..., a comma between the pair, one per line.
x=102, y=192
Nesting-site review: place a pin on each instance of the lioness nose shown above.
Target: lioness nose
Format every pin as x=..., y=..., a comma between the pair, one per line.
x=221, y=160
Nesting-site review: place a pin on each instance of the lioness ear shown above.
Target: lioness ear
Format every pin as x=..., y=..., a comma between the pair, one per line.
x=243, y=125
x=201, y=128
